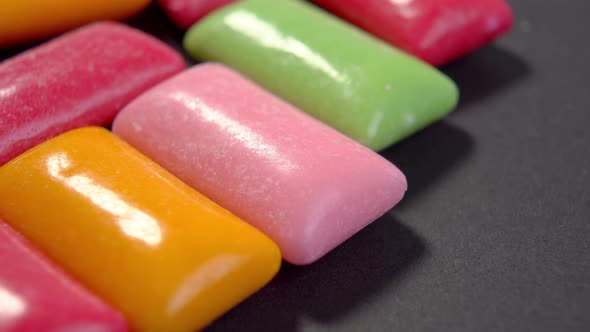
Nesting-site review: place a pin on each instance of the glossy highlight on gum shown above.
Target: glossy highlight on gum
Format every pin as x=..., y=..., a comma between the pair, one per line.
x=164, y=255
x=79, y=79
x=35, y=295
x=272, y=165
x=340, y=75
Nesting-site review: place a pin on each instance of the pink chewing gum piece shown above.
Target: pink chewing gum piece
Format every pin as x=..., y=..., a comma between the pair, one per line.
x=185, y=13
x=80, y=79
x=305, y=185
x=35, y=295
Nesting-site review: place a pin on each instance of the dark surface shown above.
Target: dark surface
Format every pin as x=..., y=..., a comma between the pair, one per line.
x=494, y=233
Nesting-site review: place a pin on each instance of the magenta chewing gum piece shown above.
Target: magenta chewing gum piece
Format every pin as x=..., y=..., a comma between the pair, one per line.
x=82, y=78
x=35, y=295
x=305, y=185
x=185, y=13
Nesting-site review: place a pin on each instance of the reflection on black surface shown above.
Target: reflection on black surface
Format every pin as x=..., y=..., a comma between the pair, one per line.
x=428, y=155
x=496, y=69
x=376, y=257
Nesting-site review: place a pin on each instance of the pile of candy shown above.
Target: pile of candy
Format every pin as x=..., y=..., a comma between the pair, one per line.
x=125, y=229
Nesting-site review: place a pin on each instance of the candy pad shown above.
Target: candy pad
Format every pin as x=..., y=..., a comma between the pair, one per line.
x=81, y=78
x=305, y=185
x=437, y=31
x=31, y=20
x=35, y=295
x=185, y=13
x=337, y=73
x=164, y=255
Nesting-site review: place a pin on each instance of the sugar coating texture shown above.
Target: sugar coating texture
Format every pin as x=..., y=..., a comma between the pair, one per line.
x=342, y=76
x=81, y=78
x=185, y=13
x=437, y=31
x=305, y=185
x=35, y=295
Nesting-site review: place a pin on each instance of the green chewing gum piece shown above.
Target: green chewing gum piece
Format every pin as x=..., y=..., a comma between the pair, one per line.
x=333, y=71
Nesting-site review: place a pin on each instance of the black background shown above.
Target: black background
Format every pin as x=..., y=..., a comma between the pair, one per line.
x=494, y=232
